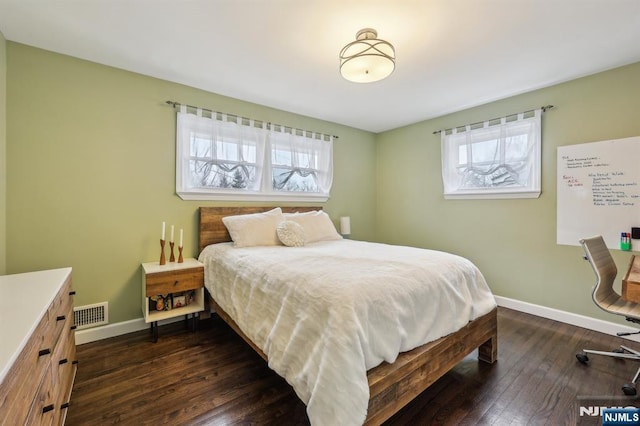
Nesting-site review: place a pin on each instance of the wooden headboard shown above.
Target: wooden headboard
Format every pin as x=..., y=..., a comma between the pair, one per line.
x=212, y=230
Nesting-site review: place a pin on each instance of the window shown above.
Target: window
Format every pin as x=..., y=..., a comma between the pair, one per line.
x=300, y=164
x=499, y=160
x=225, y=157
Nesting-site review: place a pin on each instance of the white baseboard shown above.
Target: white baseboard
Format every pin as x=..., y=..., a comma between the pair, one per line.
x=112, y=330
x=117, y=329
x=568, y=318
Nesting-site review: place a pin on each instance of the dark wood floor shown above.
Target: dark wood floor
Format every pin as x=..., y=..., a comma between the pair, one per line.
x=212, y=377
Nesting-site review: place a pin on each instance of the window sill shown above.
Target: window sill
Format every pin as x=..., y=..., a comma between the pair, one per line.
x=491, y=195
x=251, y=196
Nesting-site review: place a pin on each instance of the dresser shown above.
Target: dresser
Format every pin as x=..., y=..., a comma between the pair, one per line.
x=37, y=354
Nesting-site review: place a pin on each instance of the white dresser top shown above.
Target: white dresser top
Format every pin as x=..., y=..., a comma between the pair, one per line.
x=24, y=299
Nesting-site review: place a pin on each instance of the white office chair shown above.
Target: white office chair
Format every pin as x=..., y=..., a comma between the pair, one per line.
x=605, y=297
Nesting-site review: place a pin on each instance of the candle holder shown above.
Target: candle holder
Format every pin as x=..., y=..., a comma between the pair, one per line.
x=172, y=258
x=180, y=259
x=162, y=258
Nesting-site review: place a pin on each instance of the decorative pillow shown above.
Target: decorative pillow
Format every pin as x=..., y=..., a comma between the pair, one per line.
x=317, y=226
x=256, y=229
x=291, y=233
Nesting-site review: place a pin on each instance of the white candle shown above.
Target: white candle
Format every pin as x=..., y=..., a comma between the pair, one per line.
x=162, y=231
x=181, y=237
x=171, y=233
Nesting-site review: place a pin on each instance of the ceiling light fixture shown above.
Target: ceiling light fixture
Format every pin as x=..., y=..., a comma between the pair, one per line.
x=367, y=59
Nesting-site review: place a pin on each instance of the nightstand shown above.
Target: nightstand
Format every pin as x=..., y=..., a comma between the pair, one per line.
x=172, y=290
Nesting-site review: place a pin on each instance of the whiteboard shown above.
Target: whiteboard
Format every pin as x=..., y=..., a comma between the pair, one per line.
x=598, y=191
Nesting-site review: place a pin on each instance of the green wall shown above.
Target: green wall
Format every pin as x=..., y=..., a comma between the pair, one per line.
x=3, y=154
x=512, y=241
x=91, y=171
x=90, y=177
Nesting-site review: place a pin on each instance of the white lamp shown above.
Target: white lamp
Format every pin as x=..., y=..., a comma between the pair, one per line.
x=367, y=59
x=345, y=225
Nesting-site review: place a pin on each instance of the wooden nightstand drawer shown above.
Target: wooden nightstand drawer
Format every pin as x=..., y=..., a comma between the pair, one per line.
x=174, y=281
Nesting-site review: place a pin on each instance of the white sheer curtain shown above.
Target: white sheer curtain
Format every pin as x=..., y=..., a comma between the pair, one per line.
x=224, y=153
x=301, y=162
x=495, y=160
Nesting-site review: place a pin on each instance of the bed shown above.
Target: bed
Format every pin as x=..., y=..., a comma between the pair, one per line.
x=390, y=385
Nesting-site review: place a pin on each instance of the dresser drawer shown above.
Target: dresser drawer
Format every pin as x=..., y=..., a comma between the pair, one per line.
x=43, y=409
x=174, y=281
x=26, y=374
x=59, y=359
x=61, y=311
x=62, y=361
x=65, y=298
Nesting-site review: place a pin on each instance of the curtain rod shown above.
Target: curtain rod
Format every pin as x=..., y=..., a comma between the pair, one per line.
x=544, y=108
x=177, y=104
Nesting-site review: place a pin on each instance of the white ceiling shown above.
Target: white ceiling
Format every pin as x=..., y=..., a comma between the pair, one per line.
x=451, y=54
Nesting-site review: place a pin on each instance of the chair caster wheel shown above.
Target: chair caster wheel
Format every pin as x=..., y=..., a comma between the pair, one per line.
x=629, y=389
x=583, y=358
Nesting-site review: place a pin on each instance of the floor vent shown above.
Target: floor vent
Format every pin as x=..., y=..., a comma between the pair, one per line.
x=91, y=315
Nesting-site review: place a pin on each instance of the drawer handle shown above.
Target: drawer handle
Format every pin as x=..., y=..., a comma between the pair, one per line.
x=63, y=361
x=61, y=318
x=75, y=362
x=73, y=327
x=47, y=408
x=44, y=352
x=72, y=293
x=176, y=283
x=65, y=405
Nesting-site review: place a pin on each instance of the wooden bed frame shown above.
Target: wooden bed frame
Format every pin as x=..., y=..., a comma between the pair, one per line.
x=391, y=386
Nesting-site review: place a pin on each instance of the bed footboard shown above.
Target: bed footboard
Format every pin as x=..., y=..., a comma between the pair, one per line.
x=392, y=386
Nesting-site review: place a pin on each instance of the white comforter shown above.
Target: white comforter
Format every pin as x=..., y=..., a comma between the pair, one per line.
x=327, y=312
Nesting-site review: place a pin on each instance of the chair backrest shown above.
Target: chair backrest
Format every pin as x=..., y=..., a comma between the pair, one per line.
x=603, y=265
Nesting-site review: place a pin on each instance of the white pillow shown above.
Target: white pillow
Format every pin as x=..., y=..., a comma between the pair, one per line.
x=291, y=233
x=317, y=226
x=256, y=229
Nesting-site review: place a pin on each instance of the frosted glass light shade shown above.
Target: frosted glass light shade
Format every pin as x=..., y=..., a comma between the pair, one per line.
x=345, y=225
x=367, y=59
